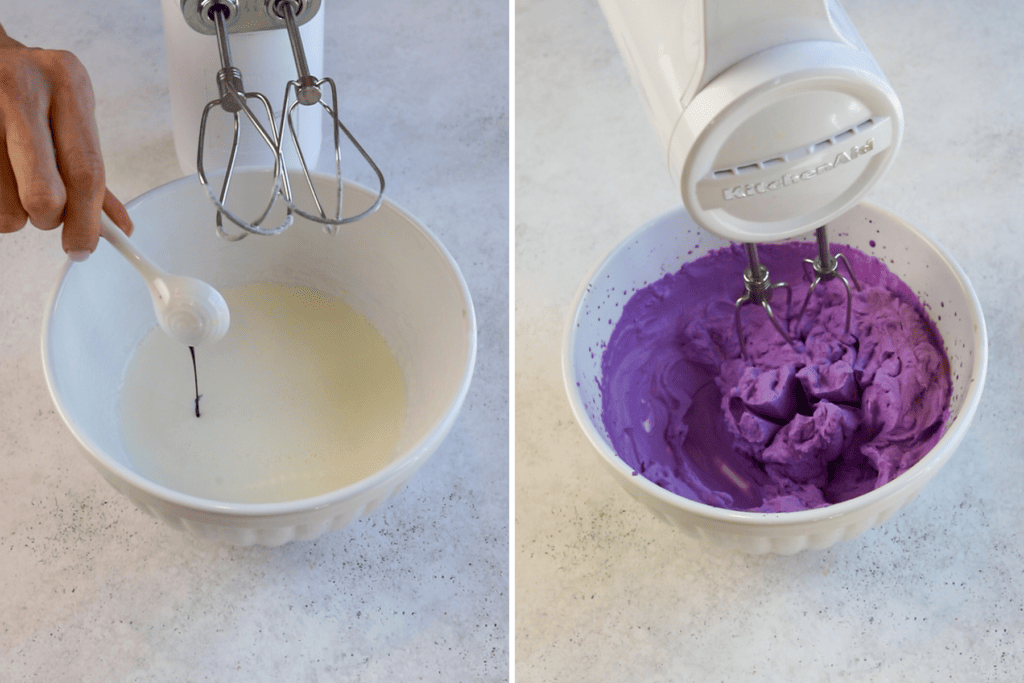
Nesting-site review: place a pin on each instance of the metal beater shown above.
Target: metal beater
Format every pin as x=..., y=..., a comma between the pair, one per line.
x=759, y=287
x=825, y=268
x=308, y=93
x=759, y=291
x=233, y=100
x=221, y=17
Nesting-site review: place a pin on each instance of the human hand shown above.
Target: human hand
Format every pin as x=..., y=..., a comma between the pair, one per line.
x=51, y=167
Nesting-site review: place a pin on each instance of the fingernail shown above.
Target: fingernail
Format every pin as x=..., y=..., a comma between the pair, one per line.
x=79, y=255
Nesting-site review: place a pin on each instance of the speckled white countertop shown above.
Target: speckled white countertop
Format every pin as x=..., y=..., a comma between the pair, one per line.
x=607, y=592
x=91, y=589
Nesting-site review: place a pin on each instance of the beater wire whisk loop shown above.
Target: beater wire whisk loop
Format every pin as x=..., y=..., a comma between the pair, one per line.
x=826, y=267
x=759, y=291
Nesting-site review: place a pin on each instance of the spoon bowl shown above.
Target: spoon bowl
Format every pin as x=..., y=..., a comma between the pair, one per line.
x=188, y=310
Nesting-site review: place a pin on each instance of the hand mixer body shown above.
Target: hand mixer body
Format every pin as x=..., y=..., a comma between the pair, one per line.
x=773, y=115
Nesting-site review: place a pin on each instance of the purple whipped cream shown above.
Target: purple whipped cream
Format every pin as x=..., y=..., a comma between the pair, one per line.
x=783, y=428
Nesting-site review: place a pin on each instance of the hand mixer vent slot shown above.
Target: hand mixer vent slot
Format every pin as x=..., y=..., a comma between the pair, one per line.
x=844, y=135
x=819, y=146
x=748, y=168
x=864, y=126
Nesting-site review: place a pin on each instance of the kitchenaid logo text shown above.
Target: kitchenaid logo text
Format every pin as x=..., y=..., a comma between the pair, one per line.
x=751, y=189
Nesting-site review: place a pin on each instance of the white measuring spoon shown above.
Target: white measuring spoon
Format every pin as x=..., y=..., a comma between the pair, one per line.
x=188, y=310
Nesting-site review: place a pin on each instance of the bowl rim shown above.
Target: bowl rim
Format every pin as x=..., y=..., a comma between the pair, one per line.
x=920, y=471
x=410, y=458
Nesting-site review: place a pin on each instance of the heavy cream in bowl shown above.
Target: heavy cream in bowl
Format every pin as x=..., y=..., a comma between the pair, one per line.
x=346, y=363
x=300, y=398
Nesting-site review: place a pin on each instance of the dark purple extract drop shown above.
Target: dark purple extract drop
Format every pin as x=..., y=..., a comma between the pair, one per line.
x=195, y=376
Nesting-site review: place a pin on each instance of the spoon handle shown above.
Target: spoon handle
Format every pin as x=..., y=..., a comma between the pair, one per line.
x=120, y=241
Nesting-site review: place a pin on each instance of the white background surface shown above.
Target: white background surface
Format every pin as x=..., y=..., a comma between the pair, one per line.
x=605, y=591
x=92, y=589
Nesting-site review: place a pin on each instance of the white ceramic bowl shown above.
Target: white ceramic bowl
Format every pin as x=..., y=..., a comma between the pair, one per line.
x=662, y=246
x=388, y=267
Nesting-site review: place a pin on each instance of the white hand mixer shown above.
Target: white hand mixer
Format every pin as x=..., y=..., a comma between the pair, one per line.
x=774, y=117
